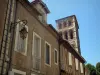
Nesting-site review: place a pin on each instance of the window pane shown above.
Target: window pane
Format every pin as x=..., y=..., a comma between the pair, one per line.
x=55, y=56
x=69, y=23
x=36, y=55
x=60, y=25
x=71, y=34
x=36, y=46
x=21, y=42
x=47, y=54
x=64, y=23
x=66, y=35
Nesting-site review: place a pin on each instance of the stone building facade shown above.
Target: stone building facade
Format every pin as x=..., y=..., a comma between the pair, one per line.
x=68, y=28
x=31, y=46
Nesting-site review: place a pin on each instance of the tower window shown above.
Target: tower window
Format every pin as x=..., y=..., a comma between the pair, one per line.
x=64, y=24
x=71, y=34
x=59, y=26
x=69, y=23
x=60, y=33
x=66, y=35
x=73, y=45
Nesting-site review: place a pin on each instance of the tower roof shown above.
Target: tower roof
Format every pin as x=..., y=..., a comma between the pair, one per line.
x=69, y=17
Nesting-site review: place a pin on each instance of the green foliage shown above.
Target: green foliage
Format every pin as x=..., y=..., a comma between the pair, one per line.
x=98, y=68
x=90, y=67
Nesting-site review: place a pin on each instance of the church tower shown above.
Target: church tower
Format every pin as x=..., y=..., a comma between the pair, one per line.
x=68, y=29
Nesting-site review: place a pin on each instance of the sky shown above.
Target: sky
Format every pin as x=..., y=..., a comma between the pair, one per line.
x=88, y=16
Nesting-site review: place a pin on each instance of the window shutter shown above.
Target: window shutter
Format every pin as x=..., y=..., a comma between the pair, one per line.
x=70, y=59
x=76, y=62
x=81, y=67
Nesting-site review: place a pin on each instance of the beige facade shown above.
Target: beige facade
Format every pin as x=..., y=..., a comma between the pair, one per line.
x=71, y=63
x=37, y=50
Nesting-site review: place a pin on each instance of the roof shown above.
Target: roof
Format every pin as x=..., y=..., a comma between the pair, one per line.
x=67, y=44
x=43, y=5
x=72, y=50
x=69, y=17
x=28, y=6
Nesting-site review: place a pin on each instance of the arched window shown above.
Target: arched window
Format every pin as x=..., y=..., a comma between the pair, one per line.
x=73, y=45
x=60, y=33
x=64, y=24
x=69, y=23
x=71, y=34
x=59, y=25
x=66, y=35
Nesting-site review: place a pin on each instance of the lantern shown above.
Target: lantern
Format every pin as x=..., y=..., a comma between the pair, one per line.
x=23, y=33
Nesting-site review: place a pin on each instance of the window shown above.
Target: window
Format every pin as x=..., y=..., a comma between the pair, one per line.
x=60, y=33
x=36, y=51
x=76, y=62
x=42, y=17
x=56, y=56
x=69, y=23
x=70, y=59
x=71, y=34
x=47, y=54
x=18, y=72
x=64, y=23
x=81, y=67
x=73, y=45
x=21, y=38
x=66, y=35
x=59, y=25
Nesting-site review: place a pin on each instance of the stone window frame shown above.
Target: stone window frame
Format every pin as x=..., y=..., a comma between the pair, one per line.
x=35, y=34
x=49, y=54
x=57, y=56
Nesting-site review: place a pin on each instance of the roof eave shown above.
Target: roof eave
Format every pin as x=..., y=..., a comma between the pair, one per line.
x=75, y=51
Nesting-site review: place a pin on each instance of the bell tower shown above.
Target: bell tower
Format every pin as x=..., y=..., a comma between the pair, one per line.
x=68, y=29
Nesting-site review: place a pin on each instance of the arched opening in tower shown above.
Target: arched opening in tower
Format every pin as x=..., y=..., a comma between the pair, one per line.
x=71, y=34
x=66, y=35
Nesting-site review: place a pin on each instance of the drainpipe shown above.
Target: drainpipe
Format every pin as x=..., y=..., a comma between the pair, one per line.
x=13, y=26
x=59, y=44
x=4, y=26
x=7, y=22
